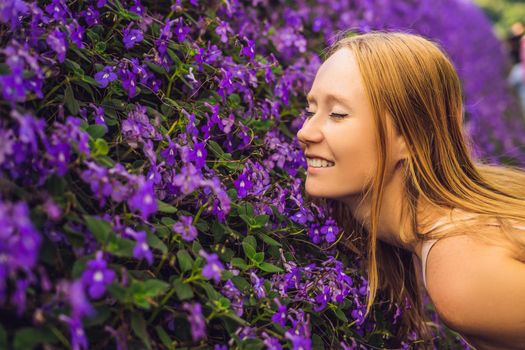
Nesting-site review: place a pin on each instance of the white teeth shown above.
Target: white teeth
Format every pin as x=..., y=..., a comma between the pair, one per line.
x=319, y=163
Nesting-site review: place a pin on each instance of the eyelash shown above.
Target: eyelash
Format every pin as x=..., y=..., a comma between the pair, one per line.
x=337, y=115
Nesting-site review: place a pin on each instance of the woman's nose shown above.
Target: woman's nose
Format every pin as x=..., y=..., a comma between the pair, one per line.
x=310, y=132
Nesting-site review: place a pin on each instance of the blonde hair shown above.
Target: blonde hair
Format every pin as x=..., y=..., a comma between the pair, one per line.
x=413, y=80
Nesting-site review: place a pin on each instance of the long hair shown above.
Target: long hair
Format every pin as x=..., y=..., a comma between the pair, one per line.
x=413, y=80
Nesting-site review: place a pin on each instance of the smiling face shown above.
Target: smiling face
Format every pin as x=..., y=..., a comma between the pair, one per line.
x=340, y=128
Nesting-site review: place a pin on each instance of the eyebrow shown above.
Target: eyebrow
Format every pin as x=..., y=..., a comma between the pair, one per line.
x=329, y=97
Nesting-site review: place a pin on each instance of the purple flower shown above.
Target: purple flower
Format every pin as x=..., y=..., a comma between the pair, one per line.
x=10, y=10
x=322, y=299
x=196, y=319
x=243, y=185
x=330, y=231
x=129, y=83
x=185, y=228
x=258, y=285
x=198, y=155
x=188, y=179
x=272, y=343
x=52, y=210
x=223, y=29
x=165, y=35
x=99, y=115
x=144, y=200
x=231, y=292
x=280, y=316
x=91, y=16
x=58, y=43
x=181, y=30
x=131, y=36
x=79, y=340
x=97, y=276
x=105, y=76
x=169, y=152
x=137, y=127
x=60, y=155
x=76, y=33
x=213, y=268
x=80, y=308
x=58, y=9
x=142, y=249
x=249, y=50
x=137, y=8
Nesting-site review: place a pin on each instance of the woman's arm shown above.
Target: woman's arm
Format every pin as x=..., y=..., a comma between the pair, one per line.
x=477, y=289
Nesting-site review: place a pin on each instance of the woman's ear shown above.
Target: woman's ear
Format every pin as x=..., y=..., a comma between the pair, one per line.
x=400, y=148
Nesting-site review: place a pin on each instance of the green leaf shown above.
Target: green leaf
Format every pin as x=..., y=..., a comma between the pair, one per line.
x=156, y=68
x=240, y=263
x=138, y=324
x=100, y=47
x=340, y=314
x=101, y=315
x=241, y=283
x=166, y=220
x=248, y=250
x=224, y=303
x=101, y=229
x=196, y=247
x=156, y=243
x=121, y=247
x=267, y=267
x=28, y=338
x=245, y=209
x=155, y=287
x=164, y=207
x=251, y=344
x=175, y=58
x=258, y=257
x=73, y=66
x=96, y=131
x=3, y=338
x=80, y=265
x=89, y=80
x=317, y=342
x=202, y=225
x=101, y=147
x=234, y=99
x=215, y=148
x=269, y=240
x=70, y=101
x=247, y=219
x=183, y=290
x=140, y=292
x=118, y=292
x=164, y=337
x=185, y=260
x=261, y=220
x=251, y=241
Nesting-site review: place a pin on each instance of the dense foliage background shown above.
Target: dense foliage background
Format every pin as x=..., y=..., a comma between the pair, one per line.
x=151, y=185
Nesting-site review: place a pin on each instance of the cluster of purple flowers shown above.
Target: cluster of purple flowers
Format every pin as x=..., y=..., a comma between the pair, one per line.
x=136, y=119
x=19, y=248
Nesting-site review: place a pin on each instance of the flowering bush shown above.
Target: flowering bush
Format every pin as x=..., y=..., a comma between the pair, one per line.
x=150, y=184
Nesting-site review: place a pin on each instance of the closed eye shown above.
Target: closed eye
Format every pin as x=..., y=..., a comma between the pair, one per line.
x=335, y=115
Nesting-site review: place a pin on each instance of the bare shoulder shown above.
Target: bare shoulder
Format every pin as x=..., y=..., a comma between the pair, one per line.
x=477, y=288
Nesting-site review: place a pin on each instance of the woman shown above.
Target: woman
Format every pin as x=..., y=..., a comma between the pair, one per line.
x=385, y=151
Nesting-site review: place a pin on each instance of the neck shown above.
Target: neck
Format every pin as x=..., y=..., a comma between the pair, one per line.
x=390, y=221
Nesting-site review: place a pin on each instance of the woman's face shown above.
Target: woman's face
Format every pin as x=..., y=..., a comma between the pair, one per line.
x=347, y=141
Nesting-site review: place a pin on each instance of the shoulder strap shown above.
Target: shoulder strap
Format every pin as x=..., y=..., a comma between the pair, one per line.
x=425, y=249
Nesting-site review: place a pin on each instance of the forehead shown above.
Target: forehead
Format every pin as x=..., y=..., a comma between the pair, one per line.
x=337, y=79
